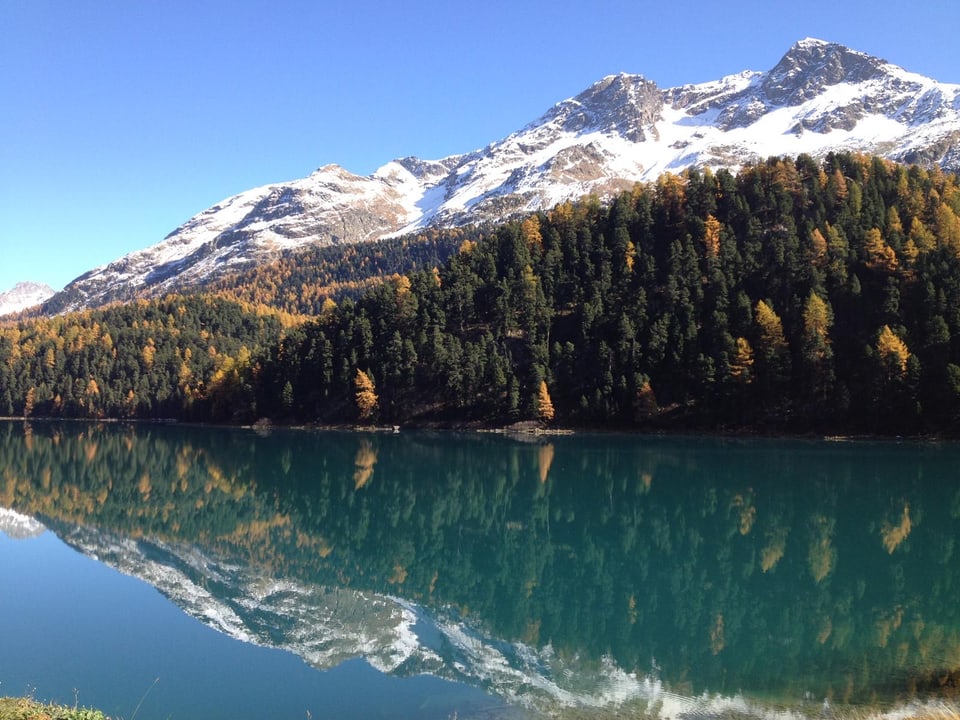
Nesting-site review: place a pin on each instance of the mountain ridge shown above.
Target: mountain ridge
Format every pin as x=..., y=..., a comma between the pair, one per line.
x=819, y=98
x=24, y=295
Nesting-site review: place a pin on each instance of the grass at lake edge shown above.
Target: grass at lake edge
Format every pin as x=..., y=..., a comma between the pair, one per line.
x=27, y=709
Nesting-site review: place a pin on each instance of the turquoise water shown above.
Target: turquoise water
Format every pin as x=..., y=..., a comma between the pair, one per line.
x=194, y=572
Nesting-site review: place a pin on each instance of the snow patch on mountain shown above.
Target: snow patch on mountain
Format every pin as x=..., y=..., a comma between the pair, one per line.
x=17, y=526
x=821, y=97
x=24, y=295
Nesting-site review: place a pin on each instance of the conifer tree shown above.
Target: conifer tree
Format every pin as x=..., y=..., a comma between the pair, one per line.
x=366, y=396
x=544, y=404
x=893, y=352
x=772, y=355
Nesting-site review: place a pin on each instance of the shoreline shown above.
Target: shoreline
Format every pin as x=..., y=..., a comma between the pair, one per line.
x=528, y=428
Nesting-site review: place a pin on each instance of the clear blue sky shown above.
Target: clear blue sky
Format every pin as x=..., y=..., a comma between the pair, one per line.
x=119, y=119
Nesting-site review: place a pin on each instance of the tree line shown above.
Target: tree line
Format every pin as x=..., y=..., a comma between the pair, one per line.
x=795, y=295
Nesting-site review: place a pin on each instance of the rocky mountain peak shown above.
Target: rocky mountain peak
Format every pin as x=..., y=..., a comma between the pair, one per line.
x=821, y=97
x=624, y=104
x=24, y=295
x=812, y=65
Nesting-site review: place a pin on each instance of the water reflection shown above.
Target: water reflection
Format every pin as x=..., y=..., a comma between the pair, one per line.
x=579, y=571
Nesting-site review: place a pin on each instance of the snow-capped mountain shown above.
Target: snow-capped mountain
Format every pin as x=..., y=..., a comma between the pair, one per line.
x=17, y=526
x=24, y=295
x=327, y=626
x=820, y=97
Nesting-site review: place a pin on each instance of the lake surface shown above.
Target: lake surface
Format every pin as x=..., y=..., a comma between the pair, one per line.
x=173, y=572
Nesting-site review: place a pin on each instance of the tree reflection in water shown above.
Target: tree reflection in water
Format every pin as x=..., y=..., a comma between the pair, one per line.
x=781, y=569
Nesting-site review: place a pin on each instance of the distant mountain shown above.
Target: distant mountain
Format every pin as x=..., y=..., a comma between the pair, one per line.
x=327, y=626
x=17, y=526
x=24, y=295
x=821, y=97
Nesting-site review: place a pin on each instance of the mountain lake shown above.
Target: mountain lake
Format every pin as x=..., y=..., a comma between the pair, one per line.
x=165, y=571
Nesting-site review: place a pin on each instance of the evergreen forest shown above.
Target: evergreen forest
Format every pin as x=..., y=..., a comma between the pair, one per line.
x=794, y=296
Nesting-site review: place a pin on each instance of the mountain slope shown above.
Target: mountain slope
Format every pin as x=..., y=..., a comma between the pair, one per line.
x=24, y=295
x=821, y=97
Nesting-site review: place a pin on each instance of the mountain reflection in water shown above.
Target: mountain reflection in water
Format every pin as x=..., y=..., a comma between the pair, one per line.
x=594, y=572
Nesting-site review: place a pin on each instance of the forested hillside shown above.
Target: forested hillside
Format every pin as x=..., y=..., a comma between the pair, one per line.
x=794, y=296
x=186, y=357
x=302, y=282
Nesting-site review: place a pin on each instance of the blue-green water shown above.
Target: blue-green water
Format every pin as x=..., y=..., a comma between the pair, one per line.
x=224, y=573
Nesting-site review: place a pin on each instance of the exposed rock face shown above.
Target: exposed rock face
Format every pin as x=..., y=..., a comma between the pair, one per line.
x=627, y=105
x=821, y=97
x=811, y=66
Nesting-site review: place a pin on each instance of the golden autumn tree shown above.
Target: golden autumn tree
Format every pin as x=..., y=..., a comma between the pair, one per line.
x=741, y=365
x=711, y=236
x=816, y=347
x=671, y=192
x=770, y=326
x=91, y=392
x=629, y=256
x=948, y=228
x=837, y=187
x=817, y=321
x=148, y=353
x=880, y=256
x=894, y=224
x=530, y=229
x=921, y=237
x=544, y=404
x=646, y=403
x=897, y=371
x=366, y=395
x=893, y=352
x=910, y=253
x=772, y=353
x=817, y=248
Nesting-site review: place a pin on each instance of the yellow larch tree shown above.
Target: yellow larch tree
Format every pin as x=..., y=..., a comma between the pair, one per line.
x=817, y=250
x=711, y=236
x=880, y=256
x=366, y=395
x=921, y=237
x=741, y=365
x=544, y=404
x=771, y=327
x=530, y=229
x=893, y=352
x=948, y=229
x=817, y=321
